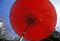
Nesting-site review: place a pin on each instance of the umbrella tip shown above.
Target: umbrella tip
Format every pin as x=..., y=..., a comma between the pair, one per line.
x=30, y=20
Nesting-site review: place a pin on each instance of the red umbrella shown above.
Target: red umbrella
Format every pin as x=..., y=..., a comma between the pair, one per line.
x=33, y=19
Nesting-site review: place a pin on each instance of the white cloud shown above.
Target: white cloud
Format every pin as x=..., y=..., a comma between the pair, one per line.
x=1, y=24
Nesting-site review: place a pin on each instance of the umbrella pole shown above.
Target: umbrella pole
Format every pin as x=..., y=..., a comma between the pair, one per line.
x=30, y=21
x=21, y=38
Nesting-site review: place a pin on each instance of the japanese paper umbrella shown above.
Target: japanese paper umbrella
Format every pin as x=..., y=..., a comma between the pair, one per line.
x=33, y=19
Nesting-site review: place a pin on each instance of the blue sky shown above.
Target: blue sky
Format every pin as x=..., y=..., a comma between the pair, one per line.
x=5, y=6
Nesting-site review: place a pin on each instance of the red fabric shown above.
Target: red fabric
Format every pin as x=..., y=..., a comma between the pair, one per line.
x=43, y=13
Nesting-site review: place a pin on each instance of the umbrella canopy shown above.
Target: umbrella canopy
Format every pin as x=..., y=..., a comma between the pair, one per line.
x=36, y=19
